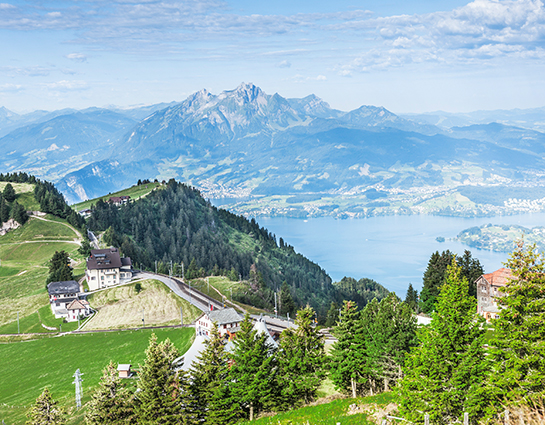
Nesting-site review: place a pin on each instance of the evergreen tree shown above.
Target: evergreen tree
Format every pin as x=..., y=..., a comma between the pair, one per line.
x=18, y=213
x=517, y=349
x=252, y=373
x=444, y=375
x=4, y=211
x=9, y=193
x=393, y=334
x=209, y=374
x=45, y=411
x=159, y=386
x=471, y=270
x=434, y=277
x=59, y=268
x=85, y=248
x=411, y=299
x=287, y=306
x=301, y=359
x=332, y=315
x=347, y=362
x=111, y=402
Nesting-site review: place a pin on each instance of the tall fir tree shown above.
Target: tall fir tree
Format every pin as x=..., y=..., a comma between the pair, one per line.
x=332, y=315
x=287, y=306
x=46, y=411
x=444, y=375
x=301, y=360
x=471, y=270
x=4, y=211
x=392, y=330
x=208, y=376
x=59, y=268
x=110, y=403
x=159, y=387
x=434, y=277
x=348, y=356
x=411, y=299
x=9, y=193
x=252, y=371
x=517, y=349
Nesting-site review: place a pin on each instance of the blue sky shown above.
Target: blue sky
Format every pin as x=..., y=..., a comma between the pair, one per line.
x=412, y=56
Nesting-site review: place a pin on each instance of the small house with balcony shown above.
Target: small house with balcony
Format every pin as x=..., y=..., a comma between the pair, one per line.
x=65, y=300
x=488, y=292
x=227, y=320
x=105, y=268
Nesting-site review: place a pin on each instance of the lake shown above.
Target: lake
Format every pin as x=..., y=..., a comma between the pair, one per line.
x=393, y=250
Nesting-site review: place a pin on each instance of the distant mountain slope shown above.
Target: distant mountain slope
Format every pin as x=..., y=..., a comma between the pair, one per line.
x=64, y=143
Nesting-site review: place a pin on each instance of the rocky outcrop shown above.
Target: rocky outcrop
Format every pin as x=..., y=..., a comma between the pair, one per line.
x=8, y=225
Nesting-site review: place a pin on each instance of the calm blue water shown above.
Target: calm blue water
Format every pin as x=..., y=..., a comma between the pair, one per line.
x=392, y=250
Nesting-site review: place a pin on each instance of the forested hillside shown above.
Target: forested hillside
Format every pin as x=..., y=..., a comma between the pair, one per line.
x=175, y=223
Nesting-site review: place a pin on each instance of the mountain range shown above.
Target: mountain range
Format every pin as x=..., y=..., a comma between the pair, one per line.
x=244, y=143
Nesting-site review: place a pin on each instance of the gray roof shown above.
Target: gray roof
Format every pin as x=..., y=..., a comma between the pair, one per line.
x=223, y=316
x=124, y=367
x=64, y=287
x=126, y=261
x=104, y=259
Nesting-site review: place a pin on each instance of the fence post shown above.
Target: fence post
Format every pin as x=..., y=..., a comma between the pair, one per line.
x=506, y=417
x=426, y=419
x=466, y=418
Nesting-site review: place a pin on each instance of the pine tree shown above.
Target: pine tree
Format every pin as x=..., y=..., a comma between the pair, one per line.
x=9, y=193
x=301, y=358
x=4, y=211
x=411, y=299
x=444, y=375
x=434, y=277
x=471, y=270
x=59, y=268
x=252, y=370
x=393, y=334
x=45, y=411
x=18, y=213
x=332, y=315
x=287, y=306
x=348, y=356
x=208, y=374
x=111, y=402
x=158, y=385
x=517, y=349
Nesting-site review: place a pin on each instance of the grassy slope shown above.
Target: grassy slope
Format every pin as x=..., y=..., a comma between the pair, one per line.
x=330, y=413
x=52, y=362
x=121, y=307
x=134, y=192
x=25, y=253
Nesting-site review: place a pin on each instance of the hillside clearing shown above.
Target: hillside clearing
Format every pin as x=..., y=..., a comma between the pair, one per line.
x=121, y=307
x=134, y=192
x=54, y=361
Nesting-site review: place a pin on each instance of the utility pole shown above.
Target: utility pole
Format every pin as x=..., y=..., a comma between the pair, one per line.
x=78, y=381
x=231, y=294
x=181, y=316
x=275, y=306
x=18, y=330
x=183, y=270
x=155, y=266
x=170, y=275
x=143, y=322
x=190, y=302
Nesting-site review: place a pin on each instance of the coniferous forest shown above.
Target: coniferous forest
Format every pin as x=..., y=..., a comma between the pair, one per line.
x=175, y=223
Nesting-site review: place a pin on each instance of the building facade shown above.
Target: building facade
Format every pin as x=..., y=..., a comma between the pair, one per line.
x=64, y=298
x=488, y=292
x=106, y=268
x=227, y=320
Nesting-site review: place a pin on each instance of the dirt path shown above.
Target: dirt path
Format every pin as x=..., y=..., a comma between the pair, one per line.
x=78, y=234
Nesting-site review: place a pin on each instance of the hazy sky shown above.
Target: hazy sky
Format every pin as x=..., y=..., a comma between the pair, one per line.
x=408, y=56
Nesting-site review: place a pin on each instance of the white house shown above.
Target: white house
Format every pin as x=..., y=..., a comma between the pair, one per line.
x=227, y=320
x=65, y=302
x=106, y=268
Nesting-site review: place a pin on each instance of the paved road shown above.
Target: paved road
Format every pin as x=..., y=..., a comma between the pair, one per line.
x=182, y=290
x=93, y=239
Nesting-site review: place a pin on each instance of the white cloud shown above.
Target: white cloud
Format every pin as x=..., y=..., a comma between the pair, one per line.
x=10, y=88
x=78, y=57
x=284, y=64
x=66, y=85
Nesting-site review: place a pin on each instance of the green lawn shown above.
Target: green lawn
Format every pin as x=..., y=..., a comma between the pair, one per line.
x=331, y=413
x=32, y=365
x=134, y=192
x=25, y=195
x=36, y=230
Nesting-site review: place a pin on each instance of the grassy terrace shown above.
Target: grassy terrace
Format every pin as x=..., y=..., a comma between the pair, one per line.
x=122, y=307
x=134, y=192
x=52, y=362
x=334, y=412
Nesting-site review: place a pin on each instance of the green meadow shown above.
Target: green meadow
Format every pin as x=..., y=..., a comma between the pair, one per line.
x=134, y=192
x=51, y=362
x=333, y=413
